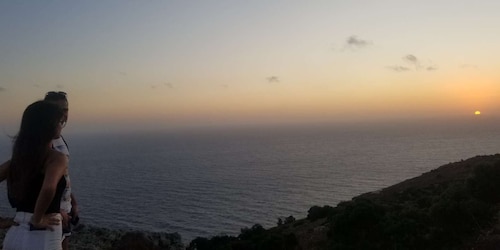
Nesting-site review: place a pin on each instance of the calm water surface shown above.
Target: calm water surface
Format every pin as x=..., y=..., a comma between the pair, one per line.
x=206, y=183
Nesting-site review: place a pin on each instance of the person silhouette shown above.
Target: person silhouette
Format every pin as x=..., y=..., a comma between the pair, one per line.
x=35, y=180
x=69, y=207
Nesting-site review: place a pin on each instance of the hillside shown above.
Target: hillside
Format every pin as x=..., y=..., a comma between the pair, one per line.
x=455, y=206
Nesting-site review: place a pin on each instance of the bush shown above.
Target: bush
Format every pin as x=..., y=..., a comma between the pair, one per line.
x=289, y=219
x=485, y=184
x=317, y=212
x=250, y=233
x=357, y=224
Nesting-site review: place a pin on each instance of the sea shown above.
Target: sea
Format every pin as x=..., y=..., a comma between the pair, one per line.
x=217, y=181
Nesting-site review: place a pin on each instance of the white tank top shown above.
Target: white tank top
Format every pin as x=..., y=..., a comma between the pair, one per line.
x=60, y=145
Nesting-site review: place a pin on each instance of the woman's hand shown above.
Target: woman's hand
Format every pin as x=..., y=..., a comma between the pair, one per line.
x=75, y=211
x=46, y=222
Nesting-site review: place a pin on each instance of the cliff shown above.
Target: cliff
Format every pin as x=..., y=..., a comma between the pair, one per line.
x=455, y=206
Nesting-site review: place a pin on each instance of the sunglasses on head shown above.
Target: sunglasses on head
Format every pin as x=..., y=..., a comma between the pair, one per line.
x=58, y=93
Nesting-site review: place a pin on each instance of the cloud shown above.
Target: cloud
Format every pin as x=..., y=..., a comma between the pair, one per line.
x=273, y=79
x=414, y=62
x=355, y=42
x=411, y=59
x=2, y=89
x=398, y=68
x=161, y=85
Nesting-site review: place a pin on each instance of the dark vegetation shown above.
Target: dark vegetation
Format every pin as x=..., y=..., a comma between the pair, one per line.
x=453, y=207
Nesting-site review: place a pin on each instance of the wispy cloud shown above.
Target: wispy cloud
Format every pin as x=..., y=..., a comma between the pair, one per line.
x=2, y=89
x=355, y=42
x=272, y=79
x=398, y=68
x=412, y=62
x=161, y=85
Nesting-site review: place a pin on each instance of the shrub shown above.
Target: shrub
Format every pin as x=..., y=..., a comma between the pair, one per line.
x=485, y=184
x=357, y=224
x=289, y=219
x=250, y=233
x=317, y=212
x=280, y=222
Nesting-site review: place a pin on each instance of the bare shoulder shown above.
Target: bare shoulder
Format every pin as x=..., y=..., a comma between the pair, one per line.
x=57, y=159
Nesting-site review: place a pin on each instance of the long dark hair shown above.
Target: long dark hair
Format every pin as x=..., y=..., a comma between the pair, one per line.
x=39, y=126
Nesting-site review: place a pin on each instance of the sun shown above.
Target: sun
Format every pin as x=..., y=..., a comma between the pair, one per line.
x=477, y=112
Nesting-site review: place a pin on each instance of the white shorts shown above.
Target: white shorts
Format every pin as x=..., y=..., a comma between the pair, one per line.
x=21, y=238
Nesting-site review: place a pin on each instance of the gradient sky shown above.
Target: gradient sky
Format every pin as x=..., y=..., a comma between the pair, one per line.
x=154, y=64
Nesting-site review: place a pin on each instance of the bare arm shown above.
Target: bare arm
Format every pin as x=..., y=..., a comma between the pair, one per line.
x=3, y=170
x=74, y=205
x=54, y=171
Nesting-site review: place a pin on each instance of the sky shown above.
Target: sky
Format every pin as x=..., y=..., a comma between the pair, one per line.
x=173, y=64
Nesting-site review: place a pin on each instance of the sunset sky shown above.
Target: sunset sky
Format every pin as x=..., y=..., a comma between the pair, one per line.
x=166, y=64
